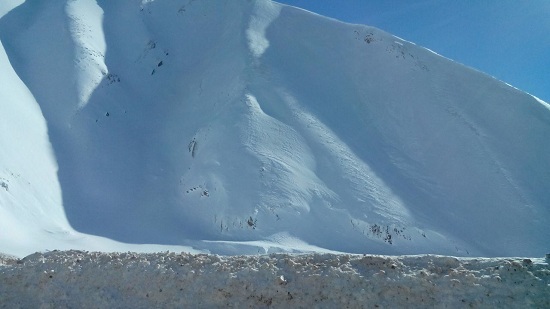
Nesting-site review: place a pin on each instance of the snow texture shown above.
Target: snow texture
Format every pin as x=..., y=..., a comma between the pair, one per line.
x=238, y=127
x=77, y=279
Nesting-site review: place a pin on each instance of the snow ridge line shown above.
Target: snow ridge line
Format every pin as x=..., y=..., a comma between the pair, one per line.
x=95, y=279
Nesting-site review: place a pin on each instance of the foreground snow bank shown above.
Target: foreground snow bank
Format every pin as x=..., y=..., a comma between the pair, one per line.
x=92, y=279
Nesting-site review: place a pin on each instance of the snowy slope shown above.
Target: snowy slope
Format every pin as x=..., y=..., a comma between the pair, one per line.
x=249, y=126
x=31, y=213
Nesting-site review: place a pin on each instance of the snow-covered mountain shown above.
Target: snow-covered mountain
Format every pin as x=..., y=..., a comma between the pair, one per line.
x=238, y=126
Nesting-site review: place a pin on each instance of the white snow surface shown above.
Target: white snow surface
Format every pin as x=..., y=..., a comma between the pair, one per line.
x=77, y=279
x=237, y=127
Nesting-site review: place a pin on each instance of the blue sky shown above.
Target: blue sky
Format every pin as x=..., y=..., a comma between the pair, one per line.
x=508, y=39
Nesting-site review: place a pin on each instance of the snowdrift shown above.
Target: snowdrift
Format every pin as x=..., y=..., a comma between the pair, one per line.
x=100, y=280
x=240, y=126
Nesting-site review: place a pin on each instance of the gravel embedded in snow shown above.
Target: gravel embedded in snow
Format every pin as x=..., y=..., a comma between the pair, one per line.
x=92, y=279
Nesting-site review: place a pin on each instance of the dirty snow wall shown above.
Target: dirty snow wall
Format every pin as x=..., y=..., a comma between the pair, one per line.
x=82, y=279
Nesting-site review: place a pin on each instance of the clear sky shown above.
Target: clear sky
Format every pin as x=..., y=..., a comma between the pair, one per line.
x=508, y=39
